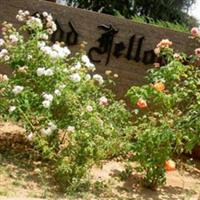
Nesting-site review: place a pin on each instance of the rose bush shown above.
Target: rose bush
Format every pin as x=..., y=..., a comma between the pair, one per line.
x=69, y=115
x=167, y=111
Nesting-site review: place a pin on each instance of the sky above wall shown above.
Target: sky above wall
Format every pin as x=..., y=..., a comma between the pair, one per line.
x=195, y=10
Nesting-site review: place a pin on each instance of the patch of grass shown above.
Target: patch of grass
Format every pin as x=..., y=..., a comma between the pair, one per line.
x=162, y=24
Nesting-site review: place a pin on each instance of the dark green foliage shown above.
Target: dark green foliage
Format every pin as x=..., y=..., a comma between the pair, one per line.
x=167, y=10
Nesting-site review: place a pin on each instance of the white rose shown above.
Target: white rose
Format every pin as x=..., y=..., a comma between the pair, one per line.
x=48, y=97
x=66, y=51
x=88, y=77
x=49, y=17
x=40, y=71
x=57, y=92
x=19, y=18
x=45, y=14
x=44, y=37
x=77, y=65
x=157, y=51
x=85, y=59
x=2, y=42
x=20, y=12
x=46, y=103
x=52, y=126
x=46, y=131
x=73, y=69
x=35, y=22
x=49, y=31
x=61, y=54
x=41, y=44
x=13, y=38
x=70, y=129
x=12, y=109
x=90, y=66
x=6, y=57
x=46, y=49
x=56, y=47
x=98, y=78
x=3, y=53
x=65, y=70
x=17, y=89
x=75, y=78
x=27, y=12
x=53, y=54
x=48, y=72
x=62, y=86
x=54, y=27
x=29, y=57
x=30, y=136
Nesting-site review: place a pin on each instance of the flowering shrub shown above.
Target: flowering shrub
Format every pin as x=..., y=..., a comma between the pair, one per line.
x=153, y=147
x=167, y=109
x=68, y=114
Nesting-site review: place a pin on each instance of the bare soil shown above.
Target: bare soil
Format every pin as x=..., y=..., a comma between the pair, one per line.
x=23, y=178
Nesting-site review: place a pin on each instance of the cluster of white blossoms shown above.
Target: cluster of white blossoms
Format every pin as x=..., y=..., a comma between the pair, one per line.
x=22, y=15
x=34, y=23
x=49, y=130
x=4, y=55
x=48, y=98
x=17, y=89
x=76, y=72
x=55, y=51
x=98, y=78
x=42, y=71
x=87, y=62
x=75, y=77
x=50, y=24
x=75, y=67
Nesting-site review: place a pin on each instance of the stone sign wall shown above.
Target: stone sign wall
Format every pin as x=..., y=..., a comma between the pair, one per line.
x=116, y=44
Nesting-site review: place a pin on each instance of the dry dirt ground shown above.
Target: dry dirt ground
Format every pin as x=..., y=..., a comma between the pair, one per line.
x=21, y=178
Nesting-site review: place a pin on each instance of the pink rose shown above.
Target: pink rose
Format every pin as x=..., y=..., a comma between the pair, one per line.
x=195, y=31
x=197, y=52
x=103, y=101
